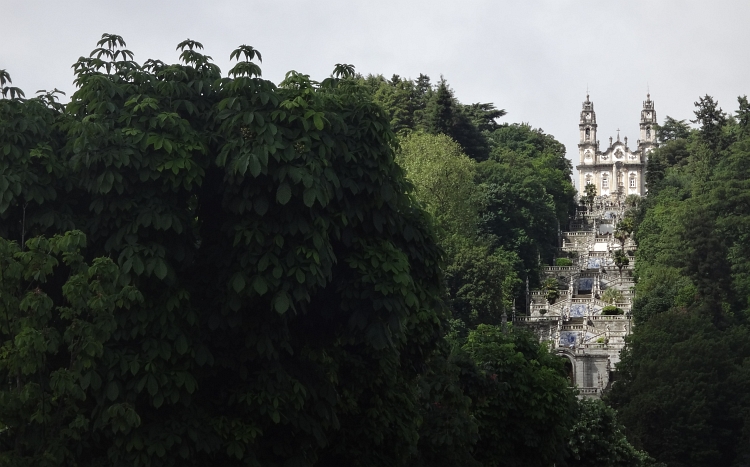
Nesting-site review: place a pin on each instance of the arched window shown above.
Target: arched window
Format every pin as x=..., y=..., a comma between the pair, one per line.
x=648, y=132
x=605, y=181
x=588, y=134
x=632, y=181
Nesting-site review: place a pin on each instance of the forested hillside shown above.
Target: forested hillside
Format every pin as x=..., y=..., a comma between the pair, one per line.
x=198, y=269
x=682, y=389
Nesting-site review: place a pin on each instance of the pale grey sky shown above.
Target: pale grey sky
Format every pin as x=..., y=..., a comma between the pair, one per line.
x=532, y=58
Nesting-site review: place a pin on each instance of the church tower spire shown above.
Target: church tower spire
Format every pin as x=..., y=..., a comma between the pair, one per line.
x=648, y=124
x=587, y=144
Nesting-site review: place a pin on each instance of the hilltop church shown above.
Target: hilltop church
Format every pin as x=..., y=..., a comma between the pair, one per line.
x=617, y=171
x=583, y=310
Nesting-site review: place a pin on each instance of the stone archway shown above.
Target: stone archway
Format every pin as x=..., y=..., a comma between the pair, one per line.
x=570, y=367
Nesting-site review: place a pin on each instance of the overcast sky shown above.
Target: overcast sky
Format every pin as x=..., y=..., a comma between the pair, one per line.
x=534, y=59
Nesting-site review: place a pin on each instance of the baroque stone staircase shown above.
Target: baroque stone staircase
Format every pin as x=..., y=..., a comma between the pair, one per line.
x=573, y=324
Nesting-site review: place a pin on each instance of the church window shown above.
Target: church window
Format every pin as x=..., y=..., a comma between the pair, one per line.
x=648, y=132
x=588, y=134
x=632, y=181
x=605, y=182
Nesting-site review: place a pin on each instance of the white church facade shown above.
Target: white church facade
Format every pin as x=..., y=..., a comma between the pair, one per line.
x=616, y=171
x=587, y=319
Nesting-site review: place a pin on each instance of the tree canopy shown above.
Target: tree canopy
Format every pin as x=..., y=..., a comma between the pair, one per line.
x=200, y=269
x=681, y=392
x=289, y=284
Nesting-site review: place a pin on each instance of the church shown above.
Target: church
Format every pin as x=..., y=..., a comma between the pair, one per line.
x=617, y=171
x=583, y=310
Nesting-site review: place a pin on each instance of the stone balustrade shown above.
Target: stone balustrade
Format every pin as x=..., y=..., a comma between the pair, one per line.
x=560, y=268
x=610, y=317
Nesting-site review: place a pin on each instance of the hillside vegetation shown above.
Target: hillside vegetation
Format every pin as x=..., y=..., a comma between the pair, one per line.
x=682, y=389
x=198, y=269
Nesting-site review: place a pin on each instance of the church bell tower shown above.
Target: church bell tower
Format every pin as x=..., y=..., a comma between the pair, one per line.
x=587, y=145
x=648, y=127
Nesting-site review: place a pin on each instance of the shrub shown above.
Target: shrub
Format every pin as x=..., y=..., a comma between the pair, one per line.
x=563, y=262
x=612, y=310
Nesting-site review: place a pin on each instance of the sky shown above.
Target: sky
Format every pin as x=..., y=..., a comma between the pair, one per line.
x=534, y=58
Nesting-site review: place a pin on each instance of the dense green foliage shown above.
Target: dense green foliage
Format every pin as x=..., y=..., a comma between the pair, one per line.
x=208, y=270
x=289, y=283
x=526, y=413
x=612, y=310
x=419, y=106
x=497, y=227
x=598, y=440
x=682, y=388
x=523, y=183
x=53, y=355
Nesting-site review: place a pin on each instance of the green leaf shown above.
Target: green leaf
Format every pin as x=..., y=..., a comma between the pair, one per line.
x=260, y=205
x=138, y=265
x=254, y=165
x=112, y=391
x=160, y=269
x=309, y=197
x=283, y=193
x=152, y=385
x=281, y=303
x=86, y=380
x=318, y=122
x=238, y=282
x=260, y=286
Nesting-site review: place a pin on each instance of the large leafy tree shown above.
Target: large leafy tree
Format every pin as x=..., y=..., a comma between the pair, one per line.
x=518, y=213
x=399, y=99
x=681, y=392
x=598, y=440
x=525, y=415
x=289, y=284
x=419, y=106
x=443, y=178
x=481, y=278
